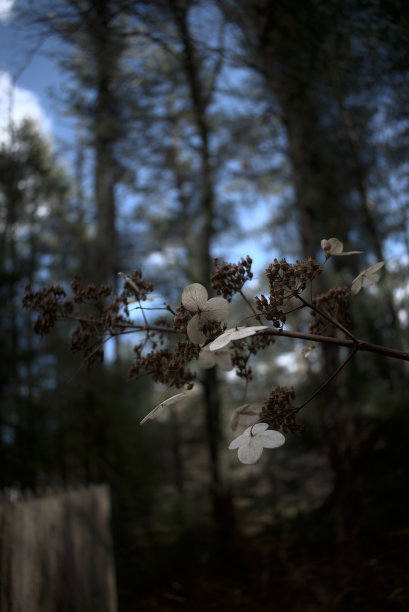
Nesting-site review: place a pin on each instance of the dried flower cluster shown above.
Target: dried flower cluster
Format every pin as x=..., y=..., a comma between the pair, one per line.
x=279, y=412
x=47, y=302
x=194, y=333
x=335, y=303
x=286, y=281
x=228, y=278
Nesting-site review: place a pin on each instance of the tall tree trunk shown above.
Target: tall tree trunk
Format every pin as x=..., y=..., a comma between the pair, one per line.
x=200, y=259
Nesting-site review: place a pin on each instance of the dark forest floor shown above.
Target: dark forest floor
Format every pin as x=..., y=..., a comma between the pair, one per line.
x=367, y=573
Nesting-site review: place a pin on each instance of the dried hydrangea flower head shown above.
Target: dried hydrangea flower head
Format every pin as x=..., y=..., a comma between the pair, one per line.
x=253, y=440
x=333, y=246
x=195, y=300
x=367, y=278
x=207, y=359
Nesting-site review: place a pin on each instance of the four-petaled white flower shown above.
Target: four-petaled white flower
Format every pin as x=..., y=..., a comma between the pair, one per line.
x=235, y=333
x=367, y=278
x=245, y=415
x=194, y=299
x=333, y=246
x=153, y=414
x=207, y=359
x=253, y=440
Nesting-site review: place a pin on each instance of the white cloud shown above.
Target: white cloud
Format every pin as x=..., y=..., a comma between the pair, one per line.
x=18, y=104
x=6, y=9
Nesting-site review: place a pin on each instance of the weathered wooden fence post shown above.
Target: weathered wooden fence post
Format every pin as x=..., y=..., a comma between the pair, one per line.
x=56, y=552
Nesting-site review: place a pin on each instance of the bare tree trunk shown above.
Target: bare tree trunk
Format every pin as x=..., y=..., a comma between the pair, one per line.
x=200, y=259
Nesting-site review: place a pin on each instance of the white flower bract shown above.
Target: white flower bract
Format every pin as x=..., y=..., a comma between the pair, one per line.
x=195, y=299
x=253, y=440
x=235, y=333
x=207, y=359
x=367, y=278
x=333, y=246
x=245, y=415
x=153, y=414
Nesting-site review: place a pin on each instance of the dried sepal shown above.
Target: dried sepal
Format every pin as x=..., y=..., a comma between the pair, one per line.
x=235, y=333
x=153, y=414
x=367, y=278
x=208, y=359
x=194, y=299
x=245, y=415
x=334, y=247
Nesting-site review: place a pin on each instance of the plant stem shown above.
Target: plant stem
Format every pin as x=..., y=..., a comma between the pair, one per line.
x=330, y=378
x=329, y=318
x=360, y=344
x=255, y=313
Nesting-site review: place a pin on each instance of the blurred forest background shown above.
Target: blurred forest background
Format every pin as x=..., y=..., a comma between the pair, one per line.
x=204, y=129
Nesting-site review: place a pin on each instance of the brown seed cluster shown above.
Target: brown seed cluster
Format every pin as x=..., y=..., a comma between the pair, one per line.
x=181, y=319
x=136, y=286
x=243, y=349
x=335, y=303
x=84, y=341
x=279, y=412
x=285, y=281
x=292, y=278
x=91, y=294
x=48, y=302
x=229, y=278
x=165, y=366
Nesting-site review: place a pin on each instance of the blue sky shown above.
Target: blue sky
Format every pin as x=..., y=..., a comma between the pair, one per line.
x=25, y=63
x=32, y=68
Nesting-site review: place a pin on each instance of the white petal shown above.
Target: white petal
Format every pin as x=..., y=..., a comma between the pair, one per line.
x=206, y=358
x=256, y=429
x=333, y=246
x=356, y=285
x=217, y=309
x=160, y=407
x=248, y=419
x=194, y=297
x=235, y=334
x=223, y=359
x=271, y=438
x=194, y=332
x=325, y=244
x=222, y=340
x=234, y=421
x=348, y=253
x=367, y=278
x=370, y=279
x=246, y=415
x=375, y=267
x=239, y=441
x=251, y=452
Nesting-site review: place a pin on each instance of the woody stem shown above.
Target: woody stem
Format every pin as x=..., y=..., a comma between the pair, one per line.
x=329, y=318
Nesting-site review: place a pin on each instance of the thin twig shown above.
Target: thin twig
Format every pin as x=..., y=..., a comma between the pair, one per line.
x=329, y=318
x=330, y=378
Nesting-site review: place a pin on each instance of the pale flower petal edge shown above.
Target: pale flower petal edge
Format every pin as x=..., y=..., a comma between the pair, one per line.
x=235, y=333
x=194, y=297
x=158, y=409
